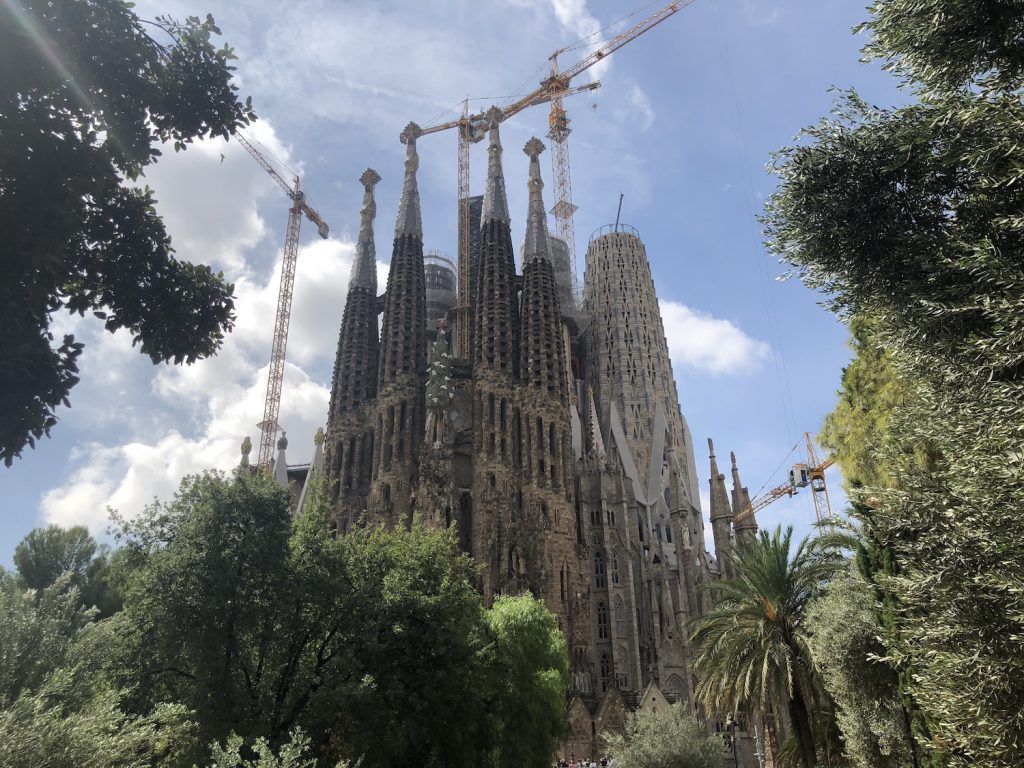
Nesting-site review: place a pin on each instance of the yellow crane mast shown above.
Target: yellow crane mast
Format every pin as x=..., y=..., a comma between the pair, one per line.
x=471, y=128
x=803, y=474
x=275, y=377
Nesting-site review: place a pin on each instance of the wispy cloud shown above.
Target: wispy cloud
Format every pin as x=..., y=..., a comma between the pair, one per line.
x=759, y=14
x=642, y=108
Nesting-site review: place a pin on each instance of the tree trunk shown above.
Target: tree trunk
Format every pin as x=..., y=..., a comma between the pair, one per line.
x=802, y=728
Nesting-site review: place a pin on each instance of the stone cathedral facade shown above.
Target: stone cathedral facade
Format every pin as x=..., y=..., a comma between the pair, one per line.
x=553, y=439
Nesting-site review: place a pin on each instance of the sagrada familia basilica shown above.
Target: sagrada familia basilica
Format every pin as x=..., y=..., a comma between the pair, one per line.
x=551, y=435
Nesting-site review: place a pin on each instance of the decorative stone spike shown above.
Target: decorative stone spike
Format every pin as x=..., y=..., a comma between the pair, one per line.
x=537, y=241
x=542, y=362
x=721, y=516
x=495, y=198
x=364, y=271
x=409, y=221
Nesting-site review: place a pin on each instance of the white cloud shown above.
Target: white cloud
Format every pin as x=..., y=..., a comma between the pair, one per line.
x=642, y=109
x=758, y=15
x=575, y=17
x=710, y=344
x=126, y=477
x=170, y=421
x=209, y=196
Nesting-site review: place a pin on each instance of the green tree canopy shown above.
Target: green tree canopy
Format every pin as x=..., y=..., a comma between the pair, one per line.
x=261, y=623
x=752, y=647
x=668, y=738
x=843, y=634
x=89, y=92
x=45, y=554
x=529, y=675
x=912, y=217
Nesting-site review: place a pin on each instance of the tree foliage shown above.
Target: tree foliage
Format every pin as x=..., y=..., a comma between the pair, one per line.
x=667, y=738
x=948, y=45
x=89, y=92
x=261, y=623
x=47, y=554
x=911, y=217
x=529, y=674
x=858, y=427
x=844, y=641
x=752, y=647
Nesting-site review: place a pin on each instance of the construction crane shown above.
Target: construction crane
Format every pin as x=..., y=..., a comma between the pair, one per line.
x=275, y=378
x=803, y=474
x=553, y=90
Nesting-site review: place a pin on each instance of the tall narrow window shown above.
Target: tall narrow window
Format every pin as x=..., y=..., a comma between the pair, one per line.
x=602, y=621
x=606, y=672
x=615, y=568
x=599, y=577
x=620, y=617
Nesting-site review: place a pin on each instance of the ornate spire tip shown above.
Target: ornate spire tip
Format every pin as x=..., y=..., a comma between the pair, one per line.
x=369, y=179
x=534, y=147
x=410, y=133
x=494, y=116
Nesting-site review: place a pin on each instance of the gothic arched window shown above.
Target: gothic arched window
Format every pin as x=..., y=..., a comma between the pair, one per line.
x=606, y=672
x=615, y=568
x=599, y=577
x=620, y=616
x=602, y=621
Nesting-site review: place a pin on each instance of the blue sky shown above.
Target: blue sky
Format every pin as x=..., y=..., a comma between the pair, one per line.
x=683, y=125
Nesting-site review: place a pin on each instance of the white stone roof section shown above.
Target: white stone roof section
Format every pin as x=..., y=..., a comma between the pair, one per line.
x=409, y=221
x=495, y=205
x=364, y=271
x=536, y=245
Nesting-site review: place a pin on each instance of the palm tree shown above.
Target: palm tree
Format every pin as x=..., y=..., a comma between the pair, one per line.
x=751, y=649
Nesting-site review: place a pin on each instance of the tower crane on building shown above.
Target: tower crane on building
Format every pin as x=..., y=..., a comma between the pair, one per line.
x=553, y=90
x=802, y=475
x=275, y=378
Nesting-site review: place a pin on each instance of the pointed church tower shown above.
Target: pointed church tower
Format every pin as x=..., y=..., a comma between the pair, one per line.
x=545, y=437
x=721, y=517
x=495, y=475
x=349, y=438
x=403, y=357
x=497, y=307
x=744, y=522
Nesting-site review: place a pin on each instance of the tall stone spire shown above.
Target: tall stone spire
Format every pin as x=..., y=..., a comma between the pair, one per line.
x=542, y=362
x=355, y=365
x=497, y=309
x=495, y=199
x=403, y=358
x=537, y=244
x=403, y=333
x=721, y=517
x=364, y=270
x=744, y=521
x=409, y=221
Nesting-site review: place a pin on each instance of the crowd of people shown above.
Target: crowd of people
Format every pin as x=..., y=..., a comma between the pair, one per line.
x=604, y=762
